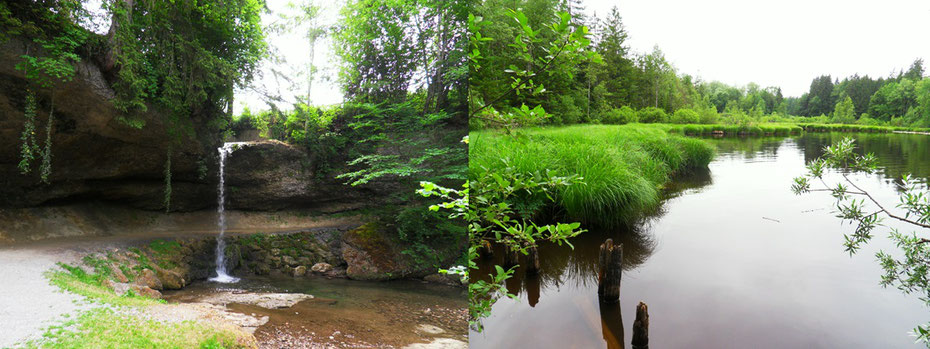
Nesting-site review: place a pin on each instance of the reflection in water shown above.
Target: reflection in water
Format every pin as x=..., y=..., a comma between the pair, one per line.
x=612, y=325
x=715, y=272
x=897, y=155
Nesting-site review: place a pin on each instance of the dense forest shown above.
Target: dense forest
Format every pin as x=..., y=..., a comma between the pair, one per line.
x=613, y=82
x=404, y=115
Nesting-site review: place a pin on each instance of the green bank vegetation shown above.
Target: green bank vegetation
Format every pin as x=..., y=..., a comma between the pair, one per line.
x=110, y=321
x=621, y=168
x=108, y=328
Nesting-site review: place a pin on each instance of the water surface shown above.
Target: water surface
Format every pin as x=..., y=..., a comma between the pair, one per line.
x=345, y=312
x=732, y=259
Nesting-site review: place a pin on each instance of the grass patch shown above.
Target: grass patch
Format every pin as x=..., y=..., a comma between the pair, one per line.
x=765, y=129
x=858, y=128
x=77, y=281
x=623, y=167
x=106, y=328
x=162, y=251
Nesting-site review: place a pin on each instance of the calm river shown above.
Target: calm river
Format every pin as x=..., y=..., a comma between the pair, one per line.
x=733, y=259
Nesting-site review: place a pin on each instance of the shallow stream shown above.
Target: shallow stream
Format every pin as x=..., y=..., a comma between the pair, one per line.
x=346, y=313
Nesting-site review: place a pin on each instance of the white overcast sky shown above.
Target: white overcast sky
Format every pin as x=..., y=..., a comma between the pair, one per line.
x=777, y=43
x=293, y=48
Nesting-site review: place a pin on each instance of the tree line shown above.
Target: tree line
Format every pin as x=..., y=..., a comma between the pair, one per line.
x=614, y=80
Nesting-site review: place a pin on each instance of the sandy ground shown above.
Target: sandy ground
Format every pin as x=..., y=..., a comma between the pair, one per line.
x=28, y=302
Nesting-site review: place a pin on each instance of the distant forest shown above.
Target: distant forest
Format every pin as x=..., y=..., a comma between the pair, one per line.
x=615, y=77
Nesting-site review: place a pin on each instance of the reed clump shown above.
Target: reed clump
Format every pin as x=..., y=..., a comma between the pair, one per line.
x=623, y=167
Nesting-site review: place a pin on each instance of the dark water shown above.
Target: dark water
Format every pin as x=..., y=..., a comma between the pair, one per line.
x=346, y=312
x=733, y=259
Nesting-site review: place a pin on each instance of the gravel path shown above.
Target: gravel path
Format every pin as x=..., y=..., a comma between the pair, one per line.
x=27, y=301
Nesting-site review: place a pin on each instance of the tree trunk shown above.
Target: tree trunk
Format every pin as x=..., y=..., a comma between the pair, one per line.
x=112, y=55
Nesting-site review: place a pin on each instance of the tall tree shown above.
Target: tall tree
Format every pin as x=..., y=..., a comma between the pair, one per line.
x=618, y=67
x=820, y=97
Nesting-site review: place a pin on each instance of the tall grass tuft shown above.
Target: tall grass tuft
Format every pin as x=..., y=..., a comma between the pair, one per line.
x=623, y=166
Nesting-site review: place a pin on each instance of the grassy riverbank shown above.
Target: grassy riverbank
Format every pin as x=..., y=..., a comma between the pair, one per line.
x=128, y=321
x=623, y=167
x=762, y=129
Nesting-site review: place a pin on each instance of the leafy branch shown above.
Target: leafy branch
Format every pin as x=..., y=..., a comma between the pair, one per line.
x=912, y=272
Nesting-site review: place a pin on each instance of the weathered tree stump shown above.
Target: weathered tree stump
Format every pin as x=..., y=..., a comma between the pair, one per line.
x=485, y=250
x=532, y=260
x=511, y=258
x=641, y=327
x=609, y=271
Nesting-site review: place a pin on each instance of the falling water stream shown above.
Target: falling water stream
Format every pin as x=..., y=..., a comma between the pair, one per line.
x=221, y=273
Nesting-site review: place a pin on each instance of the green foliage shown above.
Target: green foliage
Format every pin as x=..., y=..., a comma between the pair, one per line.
x=906, y=271
x=427, y=232
x=184, y=56
x=30, y=148
x=845, y=112
x=490, y=216
x=385, y=45
x=622, y=167
x=506, y=79
x=685, y=116
x=652, y=115
x=620, y=116
x=109, y=328
x=396, y=129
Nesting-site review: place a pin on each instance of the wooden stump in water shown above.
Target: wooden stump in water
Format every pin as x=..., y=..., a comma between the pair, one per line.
x=609, y=271
x=532, y=260
x=485, y=250
x=511, y=257
x=641, y=327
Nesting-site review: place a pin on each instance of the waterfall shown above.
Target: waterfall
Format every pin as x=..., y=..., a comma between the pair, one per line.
x=221, y=272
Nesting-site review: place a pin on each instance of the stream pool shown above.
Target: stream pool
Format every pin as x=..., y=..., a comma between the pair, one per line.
x=346, y=313
x=732, y=259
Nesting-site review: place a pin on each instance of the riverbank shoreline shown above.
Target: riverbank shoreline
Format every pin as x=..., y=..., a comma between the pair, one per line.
x=32, y=307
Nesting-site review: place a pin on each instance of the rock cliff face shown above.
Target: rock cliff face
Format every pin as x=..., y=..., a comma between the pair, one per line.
x=272, y=175
x=98, y=157
x=94, y=154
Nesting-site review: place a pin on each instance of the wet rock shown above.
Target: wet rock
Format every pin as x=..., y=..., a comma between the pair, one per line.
x=321, y=268
x=145, y=291
x=264, y=300
x=148, y=279
x=289, y=261
x=300, y=271
x=170, y=279
x=119, y=288
x=439, y=343
x=118, y=274
x=262, y=269
x=429, y=329
x=369, y=255
x=444, y=279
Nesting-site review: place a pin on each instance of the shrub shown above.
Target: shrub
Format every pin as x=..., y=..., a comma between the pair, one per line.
x=620, y=116
x=429, y=235
x=652, y=115
x=708, y=115
x=685, y=116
